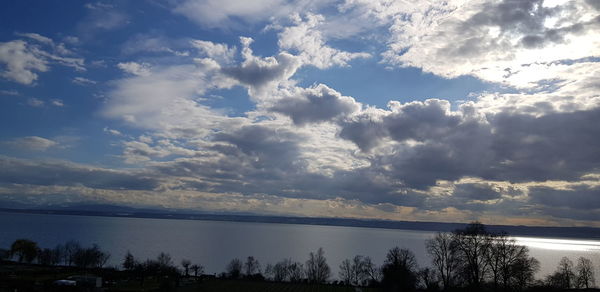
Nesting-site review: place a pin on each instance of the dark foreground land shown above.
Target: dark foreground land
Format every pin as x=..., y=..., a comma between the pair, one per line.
x=30, y=277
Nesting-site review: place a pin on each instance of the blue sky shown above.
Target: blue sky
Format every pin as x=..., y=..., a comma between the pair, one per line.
x=431, y=111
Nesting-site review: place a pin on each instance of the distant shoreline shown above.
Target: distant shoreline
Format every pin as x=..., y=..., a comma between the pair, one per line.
x=589, y=233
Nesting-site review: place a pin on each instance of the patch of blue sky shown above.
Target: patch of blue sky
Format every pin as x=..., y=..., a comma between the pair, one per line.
x=42, y=17
x=372, y=83
x=233, y=102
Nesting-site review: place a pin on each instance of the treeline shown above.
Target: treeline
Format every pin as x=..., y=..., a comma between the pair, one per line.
x=469, y=259
x=69, y=254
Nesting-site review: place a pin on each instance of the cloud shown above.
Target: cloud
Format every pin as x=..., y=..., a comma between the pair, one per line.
x=102, y=17
x=37, y=37
x=31, y=143
x=11, y=92
x=259, y=73
x=580, y=197
x=221, y=53
x=57, y=102
x=306, y=39
x=21, y=62
x=112, y=131
x=139, y=69
x=476, y=191
x=48, y=173
x=493, y=40
x=165, y=100
x=431, y=142
x=35, y=102
x=156, y=43
x=226, y=14
x=316, y=104
x=83, y=81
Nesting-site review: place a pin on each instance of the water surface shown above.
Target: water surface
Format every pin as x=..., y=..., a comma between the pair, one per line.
x=214, y=243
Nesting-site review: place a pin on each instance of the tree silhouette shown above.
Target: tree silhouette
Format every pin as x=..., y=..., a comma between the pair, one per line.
x=444, y=256
x=129, y=262
x=251, y=267
x=563, y=277
x=585, y=273
x=346, y=273
x=25, y=250
x=372, y=272
x=473, y=244
x=164, y=260
x=317, y=269
x=509, y=263
x=234, y=269
x=71, y=247
x=356, y=271
x=186, y=266
x=198, y=269
x=91, y=257
x=399, y=270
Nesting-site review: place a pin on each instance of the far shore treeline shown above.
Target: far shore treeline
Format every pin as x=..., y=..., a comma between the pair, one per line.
x=468, y=259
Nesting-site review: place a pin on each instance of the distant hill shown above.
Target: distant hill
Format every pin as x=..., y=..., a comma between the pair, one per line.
x=124, y=211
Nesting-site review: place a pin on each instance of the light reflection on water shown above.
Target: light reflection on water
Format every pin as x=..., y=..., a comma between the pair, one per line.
x=559, y=244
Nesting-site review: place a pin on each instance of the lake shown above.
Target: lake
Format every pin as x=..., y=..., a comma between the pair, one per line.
x=214, y=243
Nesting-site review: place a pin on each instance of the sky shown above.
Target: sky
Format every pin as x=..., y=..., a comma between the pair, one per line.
x=447, y=111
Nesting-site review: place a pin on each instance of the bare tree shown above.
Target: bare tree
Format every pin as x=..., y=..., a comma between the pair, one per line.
x=400, y=270
x=129, y=262
x=92, y=257
x=510, y=264
x=295, y=272
x=427, y=279
x=585, y=273
x=234, y=269
x=198, y=269
x=280, y=270
x=444, y=256
x=71, y=247
x=317, y=269
x=57, y=254
x=346, y=274
x=563, y=277
x=473, y=244
x=372, y=271
x=523, y=275
x=185, y=263
x=252, y=266
x=356, y=271
x=164, y=260
x=45, y=256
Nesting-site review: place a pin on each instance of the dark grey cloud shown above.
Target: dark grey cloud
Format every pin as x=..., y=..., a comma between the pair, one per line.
x=364, y=130
x=514, y=15
x=318, y=104
x=17, y=171
x=582, y=197
x=560, y=146
x=517, y=147
x=476, y=191
x=258, y=72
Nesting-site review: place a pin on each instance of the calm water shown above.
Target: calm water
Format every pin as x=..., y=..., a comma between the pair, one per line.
x=213, y=244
